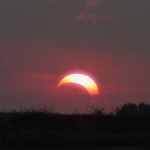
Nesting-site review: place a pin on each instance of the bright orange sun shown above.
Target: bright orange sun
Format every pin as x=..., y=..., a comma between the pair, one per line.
x=83, y=80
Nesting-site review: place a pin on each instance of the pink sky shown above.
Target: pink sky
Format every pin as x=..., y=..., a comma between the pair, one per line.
x=46, y=40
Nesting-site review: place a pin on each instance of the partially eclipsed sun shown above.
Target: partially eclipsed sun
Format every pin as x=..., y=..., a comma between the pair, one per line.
x=83, y=80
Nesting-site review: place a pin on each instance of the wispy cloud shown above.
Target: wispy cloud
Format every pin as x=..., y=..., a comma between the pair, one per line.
x=29, y=83
x=87, y=16
x=94, y=18
x=50, y=0
x=92, y=4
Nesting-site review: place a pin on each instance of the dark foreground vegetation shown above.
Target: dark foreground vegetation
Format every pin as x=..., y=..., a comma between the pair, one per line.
x=128, y=125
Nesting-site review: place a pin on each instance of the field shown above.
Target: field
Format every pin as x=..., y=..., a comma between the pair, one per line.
x=119, y=148
x=46, y=130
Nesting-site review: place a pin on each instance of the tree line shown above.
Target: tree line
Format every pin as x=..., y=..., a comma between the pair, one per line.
x=127, y=109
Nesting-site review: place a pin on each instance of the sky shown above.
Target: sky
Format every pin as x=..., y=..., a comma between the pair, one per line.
x=41, y=41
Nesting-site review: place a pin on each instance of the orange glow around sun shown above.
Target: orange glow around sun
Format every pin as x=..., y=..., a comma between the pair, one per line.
x=83, y=80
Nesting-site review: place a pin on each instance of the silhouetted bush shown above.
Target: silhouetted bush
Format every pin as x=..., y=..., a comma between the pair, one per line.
x=97, y=110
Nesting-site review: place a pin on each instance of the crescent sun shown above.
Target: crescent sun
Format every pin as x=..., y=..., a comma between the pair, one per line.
x=83, y=80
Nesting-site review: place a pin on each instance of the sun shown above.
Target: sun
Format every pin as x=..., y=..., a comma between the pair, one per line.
x=87, y=82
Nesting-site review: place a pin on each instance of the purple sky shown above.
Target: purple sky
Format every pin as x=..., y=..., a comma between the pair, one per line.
x=43, y=40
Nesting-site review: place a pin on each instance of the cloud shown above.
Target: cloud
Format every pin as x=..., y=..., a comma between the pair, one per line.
x=29, y=83
x=3, y=71
x=50, y=0
x=92, y=4
x=94, y=18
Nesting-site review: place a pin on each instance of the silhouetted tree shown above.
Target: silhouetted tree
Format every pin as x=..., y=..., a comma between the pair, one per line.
x=127, y=109
x=133, y=109
x=144, y=109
